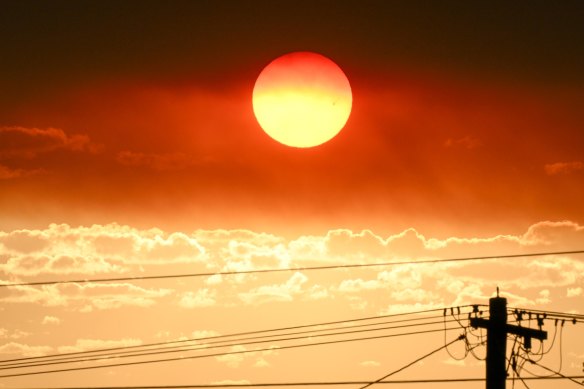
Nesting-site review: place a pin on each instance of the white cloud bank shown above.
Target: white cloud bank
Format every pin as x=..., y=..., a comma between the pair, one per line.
x=116, y=251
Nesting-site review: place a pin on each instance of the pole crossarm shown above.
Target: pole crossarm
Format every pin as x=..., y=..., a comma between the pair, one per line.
x=477, y=322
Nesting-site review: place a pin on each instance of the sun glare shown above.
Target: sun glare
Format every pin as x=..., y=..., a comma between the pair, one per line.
x=302, y=99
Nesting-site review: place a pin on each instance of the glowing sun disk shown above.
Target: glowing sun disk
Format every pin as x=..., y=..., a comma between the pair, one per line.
x=302, y=99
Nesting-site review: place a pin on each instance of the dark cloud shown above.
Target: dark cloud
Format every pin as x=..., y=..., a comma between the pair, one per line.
x=560, y=168
x=22, y=142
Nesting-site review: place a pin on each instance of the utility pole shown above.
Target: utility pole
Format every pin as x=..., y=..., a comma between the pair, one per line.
x=497, y=330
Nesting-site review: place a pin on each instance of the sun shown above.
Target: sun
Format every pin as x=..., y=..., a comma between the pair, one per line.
x=302, y=99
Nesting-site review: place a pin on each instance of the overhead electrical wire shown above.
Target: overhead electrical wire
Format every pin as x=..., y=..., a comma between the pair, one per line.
x=573, y=317
x=308, y=268
x=394, y=320
x=240, y=334
x=522, y=381
x=461, y=337
x=207, y=346
x=236, y=339
x=229, y=342
x=512, y=362
x=244, y=338
x=555, y=372
x=427, y=321
x=182, y=358
x=316, y=383
x=523, y=353
x=550, y=313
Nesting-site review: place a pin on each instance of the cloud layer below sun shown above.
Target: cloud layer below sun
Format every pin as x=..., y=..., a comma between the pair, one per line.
x=113, y=251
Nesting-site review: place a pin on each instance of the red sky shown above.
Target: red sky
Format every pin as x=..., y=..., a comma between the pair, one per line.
x=128, y=144
x=419, y=148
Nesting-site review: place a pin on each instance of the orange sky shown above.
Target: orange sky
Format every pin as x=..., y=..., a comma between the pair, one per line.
x=419, y=149
x=128, y=145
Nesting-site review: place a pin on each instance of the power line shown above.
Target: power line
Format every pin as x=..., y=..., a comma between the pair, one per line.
x=181, y=358
x=92, y=355
x=413, y=362
x=312, y=268
x=548, y=314
x=512, y=363
x=235, y=335
x=236, y=341
x=523, y=381
x=555, y=372
x=317, y=383
x=207, y=346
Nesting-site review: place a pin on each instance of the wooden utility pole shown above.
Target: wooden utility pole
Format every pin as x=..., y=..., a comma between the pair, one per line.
x=497, y=330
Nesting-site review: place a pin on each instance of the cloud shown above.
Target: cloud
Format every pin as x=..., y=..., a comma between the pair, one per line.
x=358, y=246
x=317, y=292
x=99, y=249
x=261, y=362
x=414, y=295
x=201, y=298
x=25, y=350
x=242, y=353
x=467, y=142
x=258, y=253
x=544, y=297
x=51, y=320
x=563, y=235
x=370, y=363
x=119, y=250
x=23, y=241
x=346, y=246
x=234, y=360
x=358, y=285
x=306, y=249
x=86, y=297
x=202, y=334
x=7, y=173
x=402, y=277
x=546, y=272
x=574, y=292
x=95, y=344
x=157, y=162
x=561, y=168
x=469, y=293
x=16, y=334
x=243, y=249
x=221, y=237
x=277, y=292
x=23, y=142
x=33, y=265
x=393, y=309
